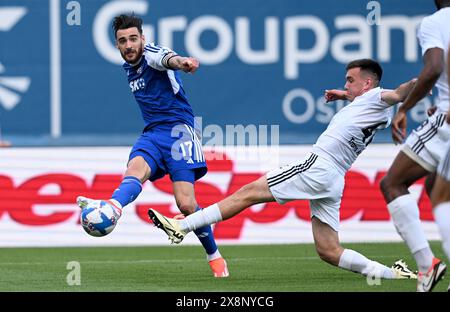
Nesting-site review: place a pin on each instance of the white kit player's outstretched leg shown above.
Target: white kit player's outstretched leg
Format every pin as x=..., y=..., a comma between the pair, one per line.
x=356, y=262
x=177, y=229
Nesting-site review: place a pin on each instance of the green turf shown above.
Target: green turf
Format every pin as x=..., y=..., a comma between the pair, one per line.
x=291, y=268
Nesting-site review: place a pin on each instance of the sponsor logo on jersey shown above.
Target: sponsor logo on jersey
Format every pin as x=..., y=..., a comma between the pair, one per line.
x=137, y=84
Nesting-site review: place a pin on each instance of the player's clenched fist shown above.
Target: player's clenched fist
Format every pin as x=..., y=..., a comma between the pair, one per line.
x=333, y=95
x=189, y=64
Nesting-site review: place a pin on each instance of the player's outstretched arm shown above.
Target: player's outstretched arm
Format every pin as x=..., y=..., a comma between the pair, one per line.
x=177, y=62
x=392, y=97
x=334, y=94
x=398, y=95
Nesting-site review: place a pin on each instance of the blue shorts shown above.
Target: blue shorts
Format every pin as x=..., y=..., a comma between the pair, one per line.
x=175, y=150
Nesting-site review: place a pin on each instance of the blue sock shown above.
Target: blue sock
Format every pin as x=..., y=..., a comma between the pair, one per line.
x=205, y=235
x=127, y=191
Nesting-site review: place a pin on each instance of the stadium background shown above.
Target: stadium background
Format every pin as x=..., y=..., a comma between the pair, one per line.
x=66, y=108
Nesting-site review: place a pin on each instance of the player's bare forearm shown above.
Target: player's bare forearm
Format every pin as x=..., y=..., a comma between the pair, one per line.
x=404, y=89
x=421, y=89
x=393, y=97
x=334, y=94
x=175, y=62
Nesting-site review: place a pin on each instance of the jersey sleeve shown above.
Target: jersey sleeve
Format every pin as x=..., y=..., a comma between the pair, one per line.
x=155, y=55
x=381, y=103
x=376, y=102
x=429, y=35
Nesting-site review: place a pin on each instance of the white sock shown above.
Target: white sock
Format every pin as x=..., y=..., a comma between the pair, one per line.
x=405, y=214
x=214, y=256
x=356, y=262
x=424, y=258
x=442, y=217
x=118, y=207
x=200, y=218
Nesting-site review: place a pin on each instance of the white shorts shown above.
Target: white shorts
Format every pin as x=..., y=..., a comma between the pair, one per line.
x=425, y=144
x=315, y=179
x=444, y=166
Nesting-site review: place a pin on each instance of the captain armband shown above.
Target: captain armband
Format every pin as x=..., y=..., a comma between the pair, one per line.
x=166, y=58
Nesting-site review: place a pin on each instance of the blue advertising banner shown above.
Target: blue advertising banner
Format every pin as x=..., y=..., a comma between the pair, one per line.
x=263, y=63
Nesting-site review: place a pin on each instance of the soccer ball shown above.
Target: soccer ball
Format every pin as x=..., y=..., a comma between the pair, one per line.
x=99, y=218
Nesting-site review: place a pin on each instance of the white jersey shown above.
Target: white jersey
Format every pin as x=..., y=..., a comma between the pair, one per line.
x=434, y=32
x=444, y=165
x=353, y=128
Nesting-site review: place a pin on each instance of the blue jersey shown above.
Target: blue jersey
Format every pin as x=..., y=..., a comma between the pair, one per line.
x=158, y=90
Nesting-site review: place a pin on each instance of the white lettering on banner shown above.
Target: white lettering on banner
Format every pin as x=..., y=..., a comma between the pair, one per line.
x=287, y=106
x=408, y=25
x=224, y=34
x=292, y=54
x=326, y=40
x=270, y=54
x=169, y=25
x=351, y=30
x=362, y=38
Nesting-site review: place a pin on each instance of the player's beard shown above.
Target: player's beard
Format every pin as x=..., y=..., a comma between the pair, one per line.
x=137, y=55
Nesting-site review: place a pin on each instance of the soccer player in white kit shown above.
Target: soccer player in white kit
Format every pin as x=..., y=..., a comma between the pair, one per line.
x=424, y=148
x=440, y=196
x=319, y=177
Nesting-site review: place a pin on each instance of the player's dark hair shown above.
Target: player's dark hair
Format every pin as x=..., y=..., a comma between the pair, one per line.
x=367, y=65
x=441, y=3
x=126, y=21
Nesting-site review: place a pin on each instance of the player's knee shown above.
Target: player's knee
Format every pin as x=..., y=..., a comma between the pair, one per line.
x=386, y=185
x=136, y=173
x=249, y=192
x=142, y=172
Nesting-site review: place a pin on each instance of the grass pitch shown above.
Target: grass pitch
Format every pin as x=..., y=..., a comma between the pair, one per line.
x=262, y=268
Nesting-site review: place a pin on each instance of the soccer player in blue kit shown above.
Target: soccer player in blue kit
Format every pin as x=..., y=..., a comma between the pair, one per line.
x=169, y=143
